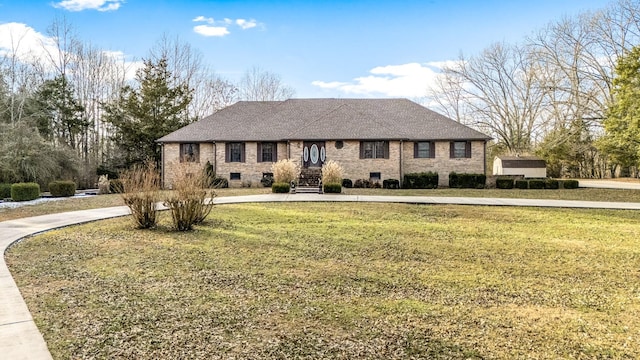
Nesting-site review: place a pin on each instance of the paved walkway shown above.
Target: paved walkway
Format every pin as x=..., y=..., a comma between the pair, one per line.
x=21, y=339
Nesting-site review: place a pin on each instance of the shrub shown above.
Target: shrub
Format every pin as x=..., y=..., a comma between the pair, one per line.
x=103, y=184
x=551, y=184
x=285, y=171
x=267, y=180
x=25, y=191
x=332, y=188
x=569, y=184
x=347, y=183
x=116, y=186
x=280, y=187
x=521, y=184
x=332, y=173
x=5, y=191
x=219, y=183
x=375, y=185
x=504, y=183
x=105, y=170
x=467, y=181
x=191, y=200
x=537, y=183
x=423, y=180
x=141, y=193
x=62, y=188
x=362, y=183
x=391, y=184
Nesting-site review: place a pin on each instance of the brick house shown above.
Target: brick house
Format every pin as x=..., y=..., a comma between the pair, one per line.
x=374, y=139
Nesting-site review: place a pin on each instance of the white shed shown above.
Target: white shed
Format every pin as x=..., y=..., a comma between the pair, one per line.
x=529, y=166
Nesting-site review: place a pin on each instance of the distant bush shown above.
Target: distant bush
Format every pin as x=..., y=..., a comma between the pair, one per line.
x=551, y=184
x=103, y=184
x=504, y=183
x=25, y=191
x=267, y=180
x=362, y=184
x=347, y=183
x=569, y=184
x=423, y=180
x=521, y=184
x=280, y=187
x=332, y=188
x=537, y=183
x=467, y=181
x=105, y=170
x=62, y=188
x=391, y=184
x=5, y=191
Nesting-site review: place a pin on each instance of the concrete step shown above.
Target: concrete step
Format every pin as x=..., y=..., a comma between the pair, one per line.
x=308, y=190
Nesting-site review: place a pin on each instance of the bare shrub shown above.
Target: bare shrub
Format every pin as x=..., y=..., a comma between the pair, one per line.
x=332, y=173
x=141, y=193
x=103, y=184
x=285, y=171
x=191, y=199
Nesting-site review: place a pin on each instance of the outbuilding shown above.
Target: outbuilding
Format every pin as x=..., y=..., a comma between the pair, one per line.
x=527, y=166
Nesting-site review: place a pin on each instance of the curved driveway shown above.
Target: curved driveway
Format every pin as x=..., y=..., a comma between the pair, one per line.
x=21, y=339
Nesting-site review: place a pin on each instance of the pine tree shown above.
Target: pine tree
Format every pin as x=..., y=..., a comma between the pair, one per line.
x=144, y=114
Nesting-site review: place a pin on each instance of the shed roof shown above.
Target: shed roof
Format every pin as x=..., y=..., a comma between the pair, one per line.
x=323, y=119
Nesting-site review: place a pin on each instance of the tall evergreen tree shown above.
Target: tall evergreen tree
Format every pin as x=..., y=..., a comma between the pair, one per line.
x=143, y=114
x=621, y=141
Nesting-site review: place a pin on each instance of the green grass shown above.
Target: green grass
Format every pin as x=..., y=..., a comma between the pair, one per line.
x=341, y=281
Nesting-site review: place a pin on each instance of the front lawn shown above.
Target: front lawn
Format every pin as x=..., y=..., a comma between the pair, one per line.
x=341, y=281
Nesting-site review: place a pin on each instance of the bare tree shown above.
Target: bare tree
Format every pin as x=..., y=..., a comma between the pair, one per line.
x=262, y=85
x=502, y=95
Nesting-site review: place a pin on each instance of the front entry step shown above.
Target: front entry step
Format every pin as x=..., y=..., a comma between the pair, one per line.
x=308, y=190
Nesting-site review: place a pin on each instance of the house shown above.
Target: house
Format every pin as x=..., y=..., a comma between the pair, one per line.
x=373, y=139
x=527, y=166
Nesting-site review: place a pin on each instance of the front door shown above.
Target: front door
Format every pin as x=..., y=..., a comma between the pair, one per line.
x=313, y=154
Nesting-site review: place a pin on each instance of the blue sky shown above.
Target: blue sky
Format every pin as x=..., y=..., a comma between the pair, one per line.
x=359, y=48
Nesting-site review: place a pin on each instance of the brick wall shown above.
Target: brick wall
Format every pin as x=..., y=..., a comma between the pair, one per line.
x=348, y=156
x=442, y=163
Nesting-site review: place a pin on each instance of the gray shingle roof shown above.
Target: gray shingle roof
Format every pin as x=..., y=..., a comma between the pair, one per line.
x=324, y=119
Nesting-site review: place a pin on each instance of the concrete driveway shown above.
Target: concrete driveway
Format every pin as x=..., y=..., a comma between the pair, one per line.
x=609, y=184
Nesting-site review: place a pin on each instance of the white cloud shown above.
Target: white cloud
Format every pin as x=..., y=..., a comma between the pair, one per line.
x=207, y=30
x=406, y=80
x=23, y=42
x=28, y=45
x=221, y=27
x=246, y=24
x=80, y=5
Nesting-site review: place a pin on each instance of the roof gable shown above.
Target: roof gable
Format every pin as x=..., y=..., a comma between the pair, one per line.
x=295, y=119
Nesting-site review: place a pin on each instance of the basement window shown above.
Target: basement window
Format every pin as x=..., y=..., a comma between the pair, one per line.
x=234, y=176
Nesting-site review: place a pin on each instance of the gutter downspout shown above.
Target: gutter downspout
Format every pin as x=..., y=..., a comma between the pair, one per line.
x=484, y=164
x=400, y=162
x=215, y=158
x=162, y=164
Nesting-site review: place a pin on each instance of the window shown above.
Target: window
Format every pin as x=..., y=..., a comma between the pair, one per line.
x=189, y=152
x=424, y=149
x=267, y=152
x=374, y=150
x=234, y=152
x=460, y=149
x=234, y=176
x=375, y=176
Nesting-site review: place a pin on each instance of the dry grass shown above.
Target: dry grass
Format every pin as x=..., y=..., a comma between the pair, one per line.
x=342, y=281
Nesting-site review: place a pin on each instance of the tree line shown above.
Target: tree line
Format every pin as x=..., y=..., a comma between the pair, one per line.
x=75, y=111
x=555, y=93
